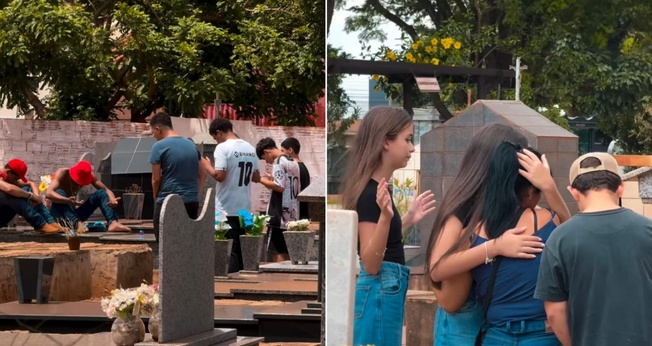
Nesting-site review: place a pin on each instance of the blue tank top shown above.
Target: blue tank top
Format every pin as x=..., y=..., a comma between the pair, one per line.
x=513, y=298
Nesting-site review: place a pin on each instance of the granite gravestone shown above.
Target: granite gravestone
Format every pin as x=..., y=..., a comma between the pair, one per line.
x=442, y=148
x=342, y=269
x=186, y=279
x=315, y=196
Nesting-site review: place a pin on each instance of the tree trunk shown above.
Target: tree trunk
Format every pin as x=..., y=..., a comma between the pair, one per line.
x=329, y=14
x=39, y=107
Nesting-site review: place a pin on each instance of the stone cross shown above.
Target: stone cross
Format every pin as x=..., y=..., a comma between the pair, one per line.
x=341, y=257
x=187, y=282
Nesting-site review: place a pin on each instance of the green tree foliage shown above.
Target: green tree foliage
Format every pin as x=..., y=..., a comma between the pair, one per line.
x=589, y=57
x=100, y=56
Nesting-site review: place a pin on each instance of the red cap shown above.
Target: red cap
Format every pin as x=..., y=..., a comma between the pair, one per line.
x=82, y=173
x=19, y=167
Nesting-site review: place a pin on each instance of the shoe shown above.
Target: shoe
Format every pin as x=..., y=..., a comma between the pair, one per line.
x=50, y=228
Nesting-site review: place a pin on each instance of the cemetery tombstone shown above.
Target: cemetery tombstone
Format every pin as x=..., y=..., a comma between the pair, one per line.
x=443, y=147
x=186, y=281
x=342, y=269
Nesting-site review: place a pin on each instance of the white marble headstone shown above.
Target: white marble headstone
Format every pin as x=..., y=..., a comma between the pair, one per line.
x=341, y=242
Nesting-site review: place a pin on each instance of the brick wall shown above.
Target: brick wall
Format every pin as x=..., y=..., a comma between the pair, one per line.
x=48, y=145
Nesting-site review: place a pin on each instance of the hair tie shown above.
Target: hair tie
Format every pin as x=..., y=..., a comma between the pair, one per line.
x=517, y=146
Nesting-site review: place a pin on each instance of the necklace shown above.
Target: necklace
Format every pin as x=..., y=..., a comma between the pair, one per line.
x=74, y=193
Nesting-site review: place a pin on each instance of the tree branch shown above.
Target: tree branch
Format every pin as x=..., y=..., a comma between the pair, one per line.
x=378, y=7
x=444, y=10
x=98, y=12
x=34, y=101
x=432, y=13
x=440, y=106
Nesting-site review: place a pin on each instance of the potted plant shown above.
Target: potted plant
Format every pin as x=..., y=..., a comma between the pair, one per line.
x=133, y=200
x=72, y=231
x=251, y=244
x=125, y=306
x=222, y=245
x=299, y=241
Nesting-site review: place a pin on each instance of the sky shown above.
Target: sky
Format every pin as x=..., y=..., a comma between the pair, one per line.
x=357, y=87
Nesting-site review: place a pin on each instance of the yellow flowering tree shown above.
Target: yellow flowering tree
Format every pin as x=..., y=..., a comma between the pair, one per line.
x=436, y=50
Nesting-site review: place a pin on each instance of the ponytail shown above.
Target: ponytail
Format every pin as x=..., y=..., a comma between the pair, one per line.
x=501, y=201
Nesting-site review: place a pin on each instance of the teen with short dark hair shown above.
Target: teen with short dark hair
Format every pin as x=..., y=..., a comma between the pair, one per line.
x=176, y=168
x=596, y=270
x=291, y=147
x=283, y=204
x=236, y=167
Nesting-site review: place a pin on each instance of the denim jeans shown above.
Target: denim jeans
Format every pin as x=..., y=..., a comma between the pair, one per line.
x=11, y=206
x=521, y=333
x=98, y=199
x=380, y=305
x=461, y=327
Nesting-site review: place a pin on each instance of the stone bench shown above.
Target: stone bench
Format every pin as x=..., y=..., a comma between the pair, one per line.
x=92, y=272
x=420, y=309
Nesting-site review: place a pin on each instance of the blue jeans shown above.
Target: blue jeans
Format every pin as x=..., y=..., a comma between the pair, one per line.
x=11, y=206
x=98, y=199
x=461, y=327
x=521, y=333
x=379, y=305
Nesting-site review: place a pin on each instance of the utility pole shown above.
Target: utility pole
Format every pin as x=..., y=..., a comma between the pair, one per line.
x=518, y=68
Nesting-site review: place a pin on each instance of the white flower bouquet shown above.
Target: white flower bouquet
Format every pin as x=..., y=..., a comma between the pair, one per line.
x=298, y=226
x=124, y=303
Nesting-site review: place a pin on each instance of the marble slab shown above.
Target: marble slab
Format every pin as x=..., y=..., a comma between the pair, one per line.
x=288, y=267
x=341, y=270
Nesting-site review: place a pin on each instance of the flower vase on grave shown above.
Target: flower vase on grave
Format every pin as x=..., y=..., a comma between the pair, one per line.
x=251, y=244
x=299, y=241
x=153, y=325
x=223, y=246
x=128, y=331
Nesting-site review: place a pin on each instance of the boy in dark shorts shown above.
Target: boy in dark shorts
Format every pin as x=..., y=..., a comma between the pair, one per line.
x=595, y=276
x=283, y=204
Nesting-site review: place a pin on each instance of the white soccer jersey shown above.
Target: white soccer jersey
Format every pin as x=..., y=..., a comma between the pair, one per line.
x=286, y=174
x=238, y=158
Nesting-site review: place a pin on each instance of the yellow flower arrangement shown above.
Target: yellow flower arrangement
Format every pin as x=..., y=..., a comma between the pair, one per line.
x=376, y=77
x=409, y=57
x=435, y=61
x=434, y=41
x=391, y=56
x=447, y=42
x=457, y=45
x=45, y=182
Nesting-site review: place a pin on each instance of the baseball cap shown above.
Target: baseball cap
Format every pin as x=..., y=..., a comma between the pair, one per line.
x=19, y=167
x=607, y=163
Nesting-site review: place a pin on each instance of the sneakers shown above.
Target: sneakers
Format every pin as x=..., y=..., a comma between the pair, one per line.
x=50, y=228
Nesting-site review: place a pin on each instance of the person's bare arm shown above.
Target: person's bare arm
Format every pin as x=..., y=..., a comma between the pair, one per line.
x=32, y=185
x=202, y=177
x=156, y=179
x=557, y=313
x=100, y=186
x=256, y=177
x=52, y=194
x=271, y=185
x=557, y=204
x=13, y=190
x=454, y=292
